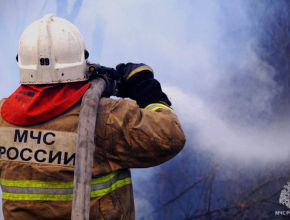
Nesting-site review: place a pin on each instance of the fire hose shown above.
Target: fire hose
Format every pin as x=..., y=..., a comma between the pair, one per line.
x=104, y=82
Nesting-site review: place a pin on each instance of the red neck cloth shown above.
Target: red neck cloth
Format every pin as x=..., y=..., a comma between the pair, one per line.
x=32, y=104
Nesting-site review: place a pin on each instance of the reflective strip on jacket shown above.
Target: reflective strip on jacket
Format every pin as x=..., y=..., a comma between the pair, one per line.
x=37, y=161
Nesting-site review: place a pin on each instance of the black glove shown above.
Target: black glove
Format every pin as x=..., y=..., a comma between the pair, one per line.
x=138, y=83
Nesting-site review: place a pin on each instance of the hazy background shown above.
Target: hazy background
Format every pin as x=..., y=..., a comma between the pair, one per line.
x=206, y=56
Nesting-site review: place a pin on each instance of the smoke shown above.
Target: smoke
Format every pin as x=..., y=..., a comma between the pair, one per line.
x=229, y=139
x=221, y=89
x=206, y=52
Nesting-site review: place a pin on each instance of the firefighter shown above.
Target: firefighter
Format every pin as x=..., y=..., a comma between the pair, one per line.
x=39, y=121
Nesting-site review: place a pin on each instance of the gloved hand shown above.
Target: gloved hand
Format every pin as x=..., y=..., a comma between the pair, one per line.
x=132, y=75
x=138, y=83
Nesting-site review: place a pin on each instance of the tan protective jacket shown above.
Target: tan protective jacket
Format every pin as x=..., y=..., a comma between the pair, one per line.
x=37, y=162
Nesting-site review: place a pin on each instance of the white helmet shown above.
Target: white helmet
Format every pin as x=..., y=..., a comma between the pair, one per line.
x=51, y=50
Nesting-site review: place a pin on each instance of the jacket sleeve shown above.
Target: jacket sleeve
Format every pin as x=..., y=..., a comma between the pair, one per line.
x=137, y=138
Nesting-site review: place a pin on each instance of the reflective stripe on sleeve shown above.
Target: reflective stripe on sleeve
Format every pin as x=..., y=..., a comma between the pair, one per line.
x=51, y=191
x=139, y=69
x=155, y=106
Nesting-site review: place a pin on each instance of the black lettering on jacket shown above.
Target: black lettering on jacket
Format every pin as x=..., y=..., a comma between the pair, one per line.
x=16, y=153
x=44, y=138
x=2, y=151
x=36, y=156
x=67, y=160
x=53, y=158
x=20, y=138
x=22, y=152
x=38, y=137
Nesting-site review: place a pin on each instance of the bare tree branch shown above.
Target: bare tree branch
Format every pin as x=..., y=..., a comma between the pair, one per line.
x=185, y=191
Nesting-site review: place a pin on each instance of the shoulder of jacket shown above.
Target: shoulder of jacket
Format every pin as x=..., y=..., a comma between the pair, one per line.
x=117, y=103
x=2, y=101
x=120, y=109
x=2, y=121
